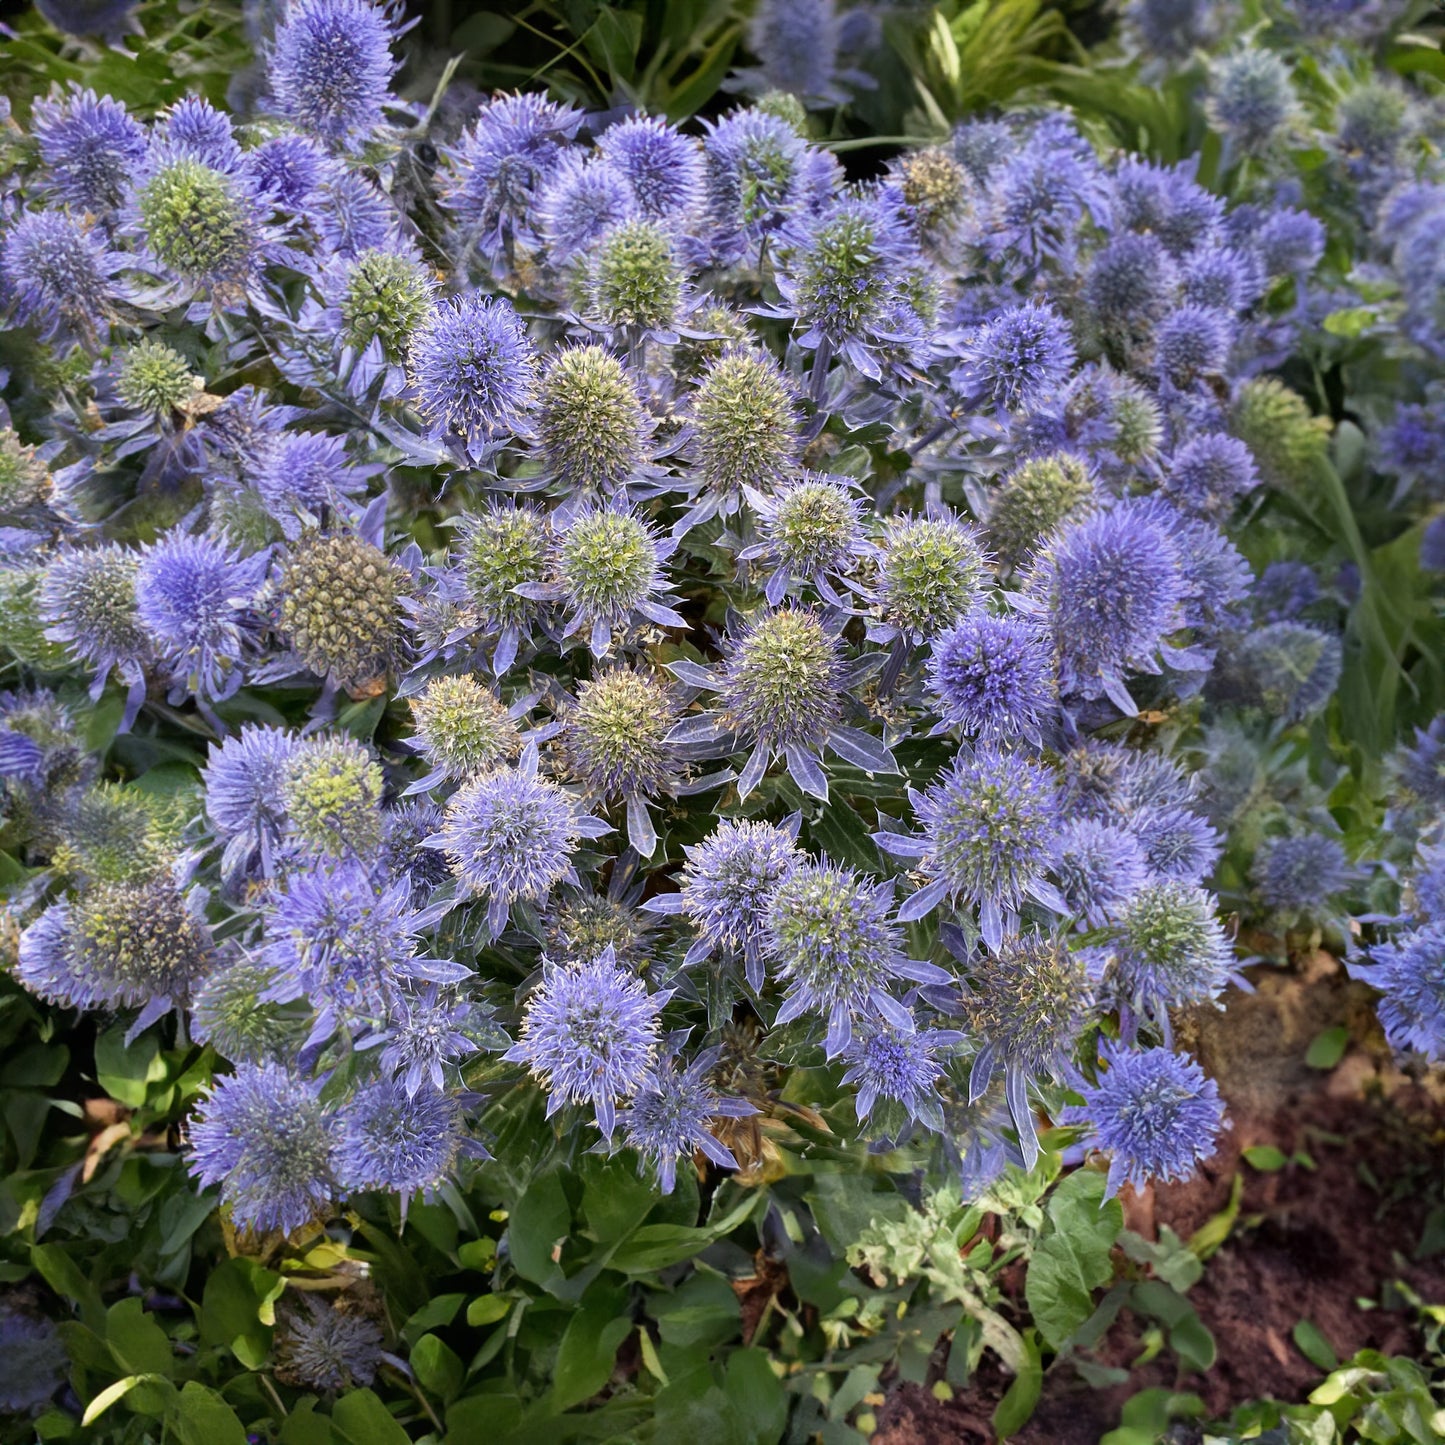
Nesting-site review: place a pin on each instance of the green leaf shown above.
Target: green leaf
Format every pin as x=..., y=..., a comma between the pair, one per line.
x=437, y=1366
x=64, y=1276
x=486, y=1309
x=615, y=1198
x=541, y=1220
x=1328, y=1048
x=139, y=1344
x=655, y=1246
x=1349, y=322
x=303, y=1426
x=1214, y=1231
x=703, y=1310
x=755, y=1398
x=1314, y=1346
x=589, y=1348
x=202, y=1417
x=1266, y=1158
x=435, y=1315
x=123, y=1070
x=1188, y=1337
x=360, y=1418
x=1072, y=1258
x=237, y=1309
x=1017, y=1406
x=112, y=1393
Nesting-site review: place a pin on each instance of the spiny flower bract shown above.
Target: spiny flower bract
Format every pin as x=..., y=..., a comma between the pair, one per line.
x=672, y=1115
x=403, y=1142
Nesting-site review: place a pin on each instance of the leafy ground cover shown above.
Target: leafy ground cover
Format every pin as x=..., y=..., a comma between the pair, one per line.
x=722, y=720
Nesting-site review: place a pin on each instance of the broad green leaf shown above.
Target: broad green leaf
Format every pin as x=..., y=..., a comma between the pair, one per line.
x=538, y=1224
x=589, y=1348
x=202, y=1417
x=1328, y=1048
x=237, y=1309
x=117, y=1391
x=138, y=1343
x=486, y=1309
x=1072, y=1258
x=437, y=1366
x=1266, y=1158
x=360, y=1418
x=1313, y=1345
x=755, y=1398
x=123, y=1070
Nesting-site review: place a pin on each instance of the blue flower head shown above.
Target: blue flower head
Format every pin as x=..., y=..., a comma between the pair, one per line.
x=194, y=127
x=1227, y=279
x=1251, y=98
x=306, y=471
x=56, y=274
x=672, y=1115
x=846, y=274
x=1129, y=286
x=90, y=144
x=495, y=170
x=900, y=1067
x=1099, y=866
x=580, y=201
x=390, y=1139
x=797, y=42
x=243, y=778
x=474, y=371
x=1114, y=585
x=1038, y=197
x=429, y=1033
x=325, y=1347
x=53, y=968
x=287, y=169
x=330, y=67
x=1168, y=202
x=1171, y=29
x=1017, y=360
x=1419, y=770
x=1027, y=1003
x=1409, y=972
x=830, y=935
x=1167, y=950
x=1300, y=873
x=989, y=829
x=342, y=940
x=1209, y=473
x=1191, y=342
x=662, y=168
x=757, y=177
x=194, y=597
x=725, y=886
x=1289, y=242
x=590, y=1036
x=1153, y=1110
x=511, y=835
x=264, y=1137
x=88, y=603
x=993, y=677
x=352, y=215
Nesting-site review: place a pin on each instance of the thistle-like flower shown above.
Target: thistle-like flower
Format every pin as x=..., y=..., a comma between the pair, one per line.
x=1251, y=98
x=201, y=225
x=671, y=1115
x=1300, y=874
x=1153, y=1110
x=155, y=378
x=992, y=677
x=231, y=1011
x=504, y=549
x=243, y=779
x=835, y=947
x=725, y=886
x=1028, y=1003
x=608, y=571
x=746, y=430
x=1166, y=950
x=390, y=1139
x=194, y=597
x=56, y=274
x=494, y=172
x=511, y=835
x=662, y=168
x=590, y=1035
x=813, y=531
x=582, y=199
x=321, y=1346
x=90, y=144
x=1192, y=342
x=932, y=573
x=462, y=729
x=338, y=607
x=331, y=793
x=990, y=827
x=35, y=1360
x=899, y=1066
x=1036, y=499
x=88, y=603
x=1099, y=867
x=474, y=372
x=1017, y=360
x=590, y=425
x=330, y=67
x=1286, y=439
x=615, y=740
x=263, y=1135
x=1409, y=972
x=1209, y=473
x=633, y=278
